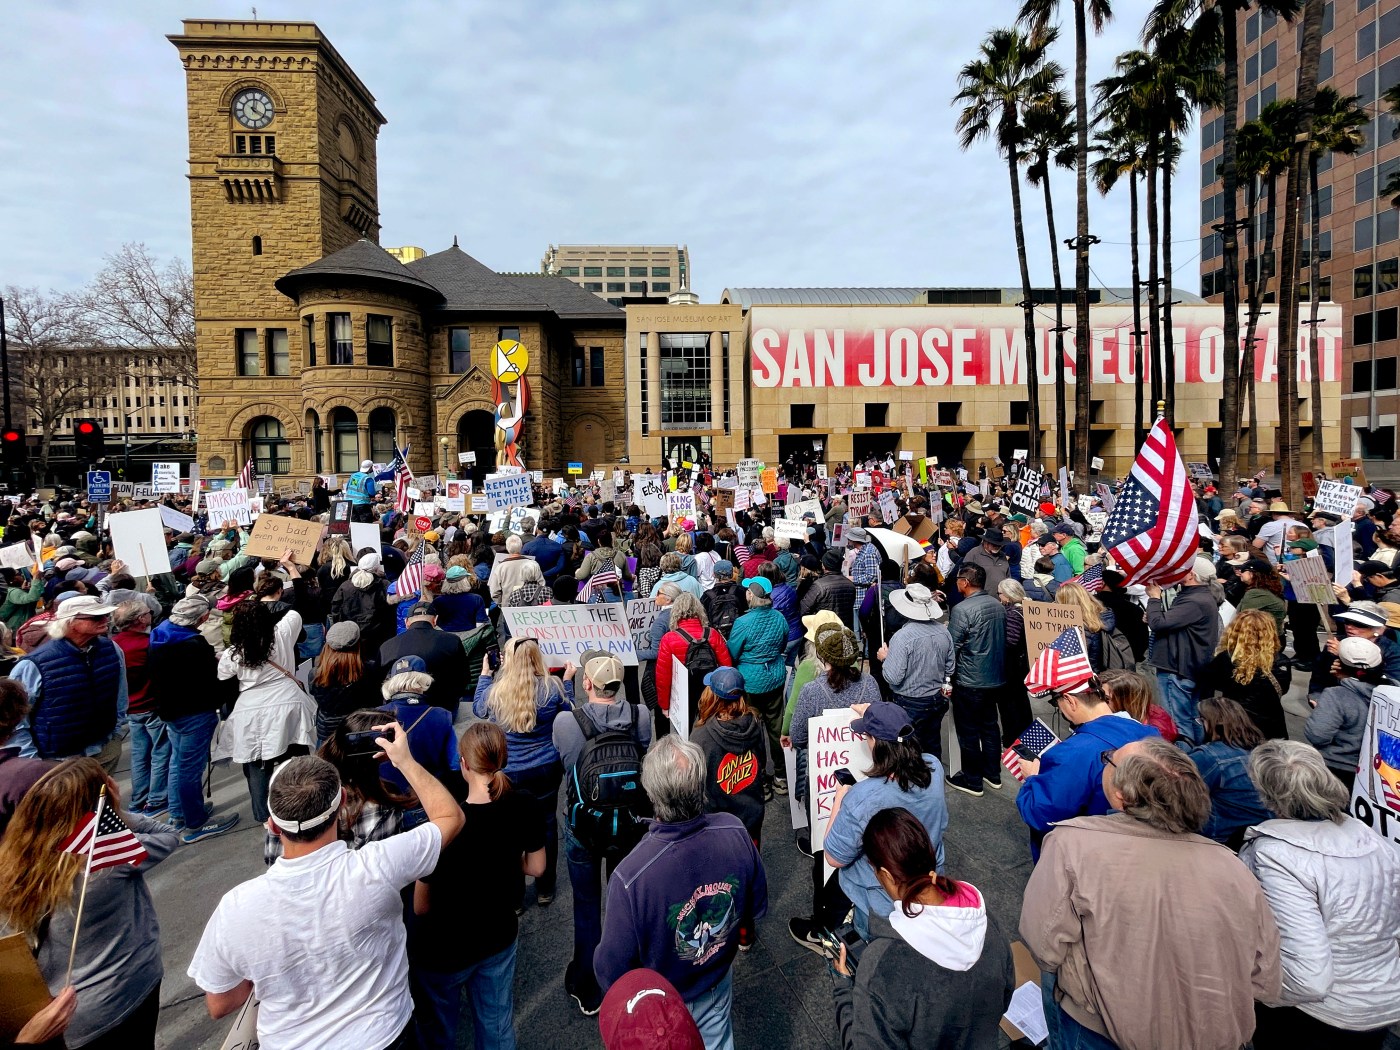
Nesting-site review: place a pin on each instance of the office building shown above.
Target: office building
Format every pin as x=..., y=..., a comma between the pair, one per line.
x=622, y=273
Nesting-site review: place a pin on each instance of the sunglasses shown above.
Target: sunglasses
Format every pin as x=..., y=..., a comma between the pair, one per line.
x=1106, y=757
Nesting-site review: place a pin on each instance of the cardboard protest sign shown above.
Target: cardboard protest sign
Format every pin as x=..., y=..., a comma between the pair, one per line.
x=830, y=746
x=1310, y=581
x=1348, y=468
x=165, y=477
x=228, y=505
x=641, y=613
x=786, y=530
x=275, y=533
x=138, y=538
x=1025, y=497
x=508, y=490
x=564, y=632
x=799, y=509
x=1045, y=621
x=173, y=519
x=1375, y=796
x=768, y=480
x=1337, y=497
x=724, y=500
x=679, y=713
x=364, y=535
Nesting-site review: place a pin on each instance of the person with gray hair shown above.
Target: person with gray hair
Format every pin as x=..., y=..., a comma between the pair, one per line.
x=1117, y=901
x=1185, y=629
x=512, y=570
x=664, y=595
x=1334, y=886
x=706, y=864
x=338, y=907
x=672, y=571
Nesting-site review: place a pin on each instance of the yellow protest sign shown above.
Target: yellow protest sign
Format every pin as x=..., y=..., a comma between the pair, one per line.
x=768, y=480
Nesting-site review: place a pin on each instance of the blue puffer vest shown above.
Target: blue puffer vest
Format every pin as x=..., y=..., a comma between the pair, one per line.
x=78, y=703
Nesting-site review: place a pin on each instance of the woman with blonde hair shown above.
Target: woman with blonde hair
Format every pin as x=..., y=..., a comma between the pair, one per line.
x=1247, y=670
x=524, y=699
x=117, y=969
x=1095, y=616
x=1131, y=693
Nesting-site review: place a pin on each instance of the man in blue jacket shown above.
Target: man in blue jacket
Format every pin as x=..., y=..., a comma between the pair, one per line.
x=1067, y=780
x=544, y=550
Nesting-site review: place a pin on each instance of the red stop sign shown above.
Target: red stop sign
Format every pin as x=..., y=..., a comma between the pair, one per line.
x=422, y=524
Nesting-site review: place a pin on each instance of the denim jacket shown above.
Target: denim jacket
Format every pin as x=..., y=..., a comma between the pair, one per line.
x=1234, y=803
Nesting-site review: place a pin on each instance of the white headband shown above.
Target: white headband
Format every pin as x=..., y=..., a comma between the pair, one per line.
x=296, y=827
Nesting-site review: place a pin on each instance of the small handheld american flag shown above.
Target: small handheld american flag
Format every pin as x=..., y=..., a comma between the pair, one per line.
x=1261, y=475
x=1091, y=579
x=411, y=579
x=1380, y=495
x=1062, y=665
x=105, y=836
x=1037, y=737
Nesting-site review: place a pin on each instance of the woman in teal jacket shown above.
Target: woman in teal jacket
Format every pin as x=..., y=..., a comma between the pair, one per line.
x=758, y=644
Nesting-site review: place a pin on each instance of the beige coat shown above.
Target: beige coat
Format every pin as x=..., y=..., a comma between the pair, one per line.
x=508, y=573
x=1157, y=940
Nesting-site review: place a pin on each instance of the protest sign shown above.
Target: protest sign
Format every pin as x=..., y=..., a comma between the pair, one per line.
x=1348, y=469
x=303, y=488
x=858, y=503
x=1064, y=487
x=768, y=480
x=679, y=714
x=1200, y=471
x=457, y=493
x=889, y=509
x=18, y=555
x=943, y=478
x=173, y=519
x=1105, y=495
x=508, y=490
x=423, y=509
x=415, y=493
x=862, y=479
x=138, y=538
x=1096, y=463
x=228, y=505
x=821, y=471
x=255, y=506
x=906, y=456
x=536, y=477
x=123, y=490
x=1344, y=555
x=1084, y=503
x=1310, y=581
x=785, y=530
x=480, y=504
x=422, y=524
x=743, y=499
x=1375, y=795
x=275, y=533
x=144, y=492
x=799, y=509
x=831, y=746
x=641, y=613
x=681, y=505
x=564, y=632
x=796, y=811
x=748, y=472
x=724, y=500
x=1337, y=497
x=194, y=488
x=607, y=491
x=1310, y=482
x=650, y=492
x=1097, y=519
x=165, y=477
x=1045, y=621
x=364, y=535
x=466, y=457
x=1025, y=497
x=340, y=518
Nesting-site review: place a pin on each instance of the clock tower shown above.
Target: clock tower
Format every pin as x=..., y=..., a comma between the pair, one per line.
x=282, y=140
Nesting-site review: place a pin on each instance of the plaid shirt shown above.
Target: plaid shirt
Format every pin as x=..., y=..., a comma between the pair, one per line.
x=865, y=570
x=527, y=594
x=372, y=825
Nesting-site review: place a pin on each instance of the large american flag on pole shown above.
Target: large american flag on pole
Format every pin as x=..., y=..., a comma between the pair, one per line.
x=403, y=478
x=248, y=478
x=1151, y=533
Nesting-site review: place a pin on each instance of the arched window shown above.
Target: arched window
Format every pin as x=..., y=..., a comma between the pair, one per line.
x=271, y=453
x=345, y=428
x=381, y=434
x=313, y=432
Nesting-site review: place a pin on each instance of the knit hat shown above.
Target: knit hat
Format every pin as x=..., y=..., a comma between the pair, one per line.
x=1048, y=509
x=831, y=560
x=643, y=1011
x=836, y=646
x=343, y=635
x=187, y=612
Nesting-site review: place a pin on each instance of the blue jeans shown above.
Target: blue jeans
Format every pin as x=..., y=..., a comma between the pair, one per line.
x=189, y=756
x=926, y=714
x=1180, y=699
x=315, y=641
x=586, y=878
x=150, y=762
x=438, y=1003
x=1065, y=1032
x=711, y=1012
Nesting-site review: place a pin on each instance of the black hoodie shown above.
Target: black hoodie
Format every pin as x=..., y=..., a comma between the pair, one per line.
x=734, y=759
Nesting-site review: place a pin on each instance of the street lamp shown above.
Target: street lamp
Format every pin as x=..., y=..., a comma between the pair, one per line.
x=443, y=442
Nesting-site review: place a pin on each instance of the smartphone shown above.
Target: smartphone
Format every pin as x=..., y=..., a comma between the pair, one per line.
x=844, y=776
x=493, y=658
x=1028, y=753
x=362, y=745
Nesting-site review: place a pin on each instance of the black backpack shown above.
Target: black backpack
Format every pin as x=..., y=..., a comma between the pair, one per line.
x=724, y=608
x=1117, y=651
x=700, y=660
x=605, y=799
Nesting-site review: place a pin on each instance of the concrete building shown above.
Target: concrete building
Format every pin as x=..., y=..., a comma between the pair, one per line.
x=622, y=273
x=318, y=348
x=1359, y=244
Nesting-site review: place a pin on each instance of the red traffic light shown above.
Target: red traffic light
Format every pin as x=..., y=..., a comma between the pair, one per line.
x=86, y=427
x=11, y=437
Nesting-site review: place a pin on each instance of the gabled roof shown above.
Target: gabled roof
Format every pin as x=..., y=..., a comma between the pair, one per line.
x=466, y=284
x=568, y=301
x=364, y=260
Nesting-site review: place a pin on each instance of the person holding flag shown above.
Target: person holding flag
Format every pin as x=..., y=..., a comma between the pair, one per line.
x=72, y=868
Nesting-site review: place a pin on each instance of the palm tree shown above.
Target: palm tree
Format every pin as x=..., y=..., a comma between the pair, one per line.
x=1339, y=126
x=1120, y=153
x=1049, y=138
x=1010, y=71
x=1221, y=19
x=1038, y=13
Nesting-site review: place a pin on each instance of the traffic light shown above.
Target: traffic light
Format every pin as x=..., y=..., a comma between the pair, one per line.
x=13, y=447
x=88, y=442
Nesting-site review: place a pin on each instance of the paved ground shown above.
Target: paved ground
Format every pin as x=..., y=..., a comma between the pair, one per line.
x=782, y=994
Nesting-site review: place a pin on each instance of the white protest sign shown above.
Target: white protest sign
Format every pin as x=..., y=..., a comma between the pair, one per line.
x=194, y=488
x=1064, y=486
x=17, y=556
x=650, y=491
x=423, y=509
x=508, y=490
x=679, y=714
x=607, y=490
x=681, y=505
x=830, y=746
x=889, y=509
x=255, y=508
x=466, y=457
x=906, y=456
x=821, y=473
x=1375, y=795
x=796, y=810
x=457, y=493
x=228, y=505
x=786, y=530
x=641, y=613
x=143, y=492
x=1336, y=497
x=363, y=534
x=414, y=492
x=742, y=499
x=165, y=477
x=138, y=538
x=748, y=472
x=1344, y=556
x=858, y=503
x=798, y=509
x=173, y=519
x=536, y=477
x=480, y=504
x=1096, y=463
x=564, y=632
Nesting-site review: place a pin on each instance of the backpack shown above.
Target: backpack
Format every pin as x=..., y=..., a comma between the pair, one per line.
x=1117, y=652
x=724, y=609
x=700, y=660
x=604, y=798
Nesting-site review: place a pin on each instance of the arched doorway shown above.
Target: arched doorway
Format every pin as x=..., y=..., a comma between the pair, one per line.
x=476, y=432
x=588, y=443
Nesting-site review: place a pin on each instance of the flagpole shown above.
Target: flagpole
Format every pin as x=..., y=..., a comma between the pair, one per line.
x=1161, y=411
x=87, y=873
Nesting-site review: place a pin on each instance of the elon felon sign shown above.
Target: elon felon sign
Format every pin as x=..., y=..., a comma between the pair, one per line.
x=986, y=346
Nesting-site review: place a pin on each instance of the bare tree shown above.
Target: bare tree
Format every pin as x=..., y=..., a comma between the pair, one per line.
x=136, y=303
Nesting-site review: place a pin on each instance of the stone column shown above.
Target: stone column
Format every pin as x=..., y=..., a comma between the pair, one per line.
x=717, y=382
x=328, y=450
x=362, y=433
x=652, y=393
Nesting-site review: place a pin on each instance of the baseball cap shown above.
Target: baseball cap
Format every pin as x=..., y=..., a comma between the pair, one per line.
x=726, y=682
x=187, y=611
x=604, y=671
x=643, y=1011
x=456, y=572
x=1364, y=614
x=759, y=581
x=404, y=664
x=366, y=464
x=422, y=609
x=1375, y=568
x=85, y=605
x=724, y=568
x=884, y=721
x=1359, y=652
x=433, y=572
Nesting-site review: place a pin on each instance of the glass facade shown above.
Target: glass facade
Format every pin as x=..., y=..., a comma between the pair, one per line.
x=685, y=379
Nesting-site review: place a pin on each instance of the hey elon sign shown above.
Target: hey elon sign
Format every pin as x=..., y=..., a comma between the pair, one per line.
x=986, y=346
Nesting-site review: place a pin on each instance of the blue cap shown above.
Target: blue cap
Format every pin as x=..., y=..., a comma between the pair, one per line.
x=408, y=663
x=726, y=683
x=884, y=721
x=724, y=568
x=762, y=581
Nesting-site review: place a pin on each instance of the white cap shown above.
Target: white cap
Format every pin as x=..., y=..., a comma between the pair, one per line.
x=84, y=606
x=367, y=464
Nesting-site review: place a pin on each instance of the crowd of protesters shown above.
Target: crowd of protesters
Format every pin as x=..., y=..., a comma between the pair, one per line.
x=417, y=772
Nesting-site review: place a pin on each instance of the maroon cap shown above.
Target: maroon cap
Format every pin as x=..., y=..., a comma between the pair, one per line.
x=643, y=1011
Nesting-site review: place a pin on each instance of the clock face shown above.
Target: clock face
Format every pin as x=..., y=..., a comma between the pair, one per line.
x=253, y=109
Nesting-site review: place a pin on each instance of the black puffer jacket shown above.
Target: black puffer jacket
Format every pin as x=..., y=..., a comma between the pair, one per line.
x=832, y=592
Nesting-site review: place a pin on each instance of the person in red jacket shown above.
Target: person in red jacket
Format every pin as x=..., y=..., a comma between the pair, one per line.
x=688, y=622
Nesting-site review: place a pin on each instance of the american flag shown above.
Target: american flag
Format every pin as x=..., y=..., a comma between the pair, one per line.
x=1037, y=737
x=1379, y=495
x=1091, y=579
x=601, y=581
x=571, y=502
x=741, y=555
x=1151, y=532
x=403, y=478
x=411, y=579
x=105, y=836
x=248, y=478
x=1261, y=475
x=1061, y=665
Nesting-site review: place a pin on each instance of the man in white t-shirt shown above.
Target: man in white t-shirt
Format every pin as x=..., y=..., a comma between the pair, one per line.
x=319, y=939
x=1271, y=536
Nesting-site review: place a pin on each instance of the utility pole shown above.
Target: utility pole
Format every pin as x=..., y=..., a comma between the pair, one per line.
x=5, y=365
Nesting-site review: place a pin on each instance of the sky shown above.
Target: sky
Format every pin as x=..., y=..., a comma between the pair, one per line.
x=786, y=143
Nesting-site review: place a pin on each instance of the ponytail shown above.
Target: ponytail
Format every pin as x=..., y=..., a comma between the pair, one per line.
x=500, y=784
x=910, y=892
x=483, y=751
